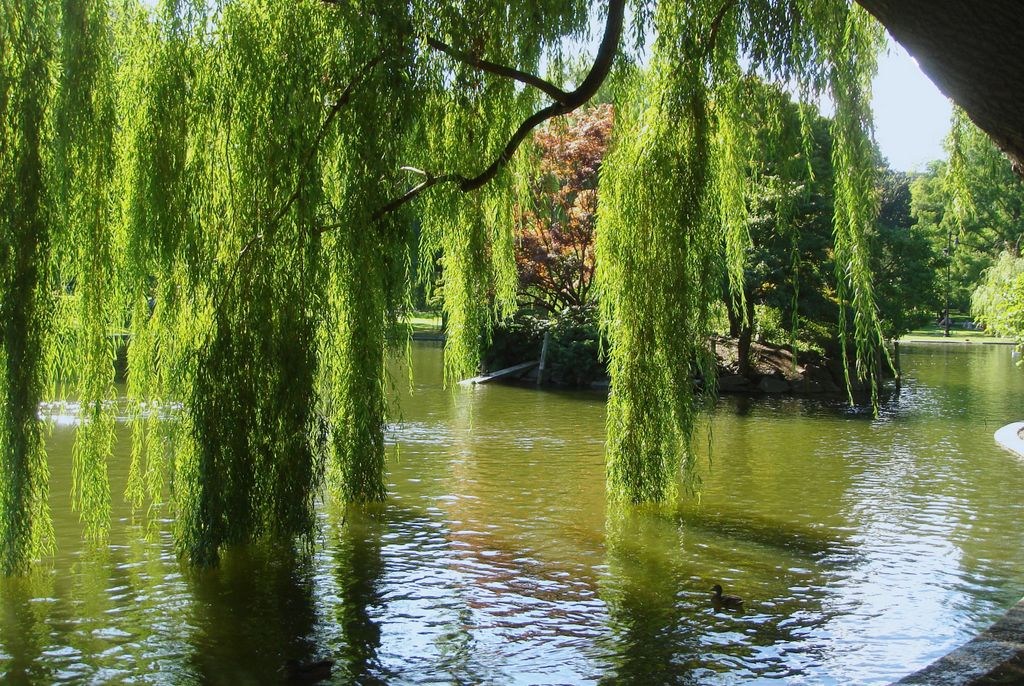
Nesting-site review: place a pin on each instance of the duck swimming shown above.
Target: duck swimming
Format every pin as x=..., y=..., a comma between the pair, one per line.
x=729, y=602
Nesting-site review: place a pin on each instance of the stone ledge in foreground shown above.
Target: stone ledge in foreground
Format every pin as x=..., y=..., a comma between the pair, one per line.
x=994, y=658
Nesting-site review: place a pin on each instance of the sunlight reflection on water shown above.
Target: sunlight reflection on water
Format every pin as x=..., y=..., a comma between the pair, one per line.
x=864, y=548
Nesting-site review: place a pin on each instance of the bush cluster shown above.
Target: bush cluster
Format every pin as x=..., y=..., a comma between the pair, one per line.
x=574, y=348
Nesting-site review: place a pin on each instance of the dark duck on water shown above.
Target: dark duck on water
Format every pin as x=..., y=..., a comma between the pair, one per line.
x=729, y=602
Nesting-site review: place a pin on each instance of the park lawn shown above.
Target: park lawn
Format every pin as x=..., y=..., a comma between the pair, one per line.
x=424, y=321
x=430, y=322
x=935, y=333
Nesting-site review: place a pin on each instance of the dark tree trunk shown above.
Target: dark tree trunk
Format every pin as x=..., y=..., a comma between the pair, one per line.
x=746, y=334
x=974, y=52
x=735, y=317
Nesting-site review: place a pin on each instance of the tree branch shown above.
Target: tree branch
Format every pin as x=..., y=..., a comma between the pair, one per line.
x=548, y=88
x=314, y=148
x=585, y=91
x=716, y=24
x=339, y=104
x=413, y=192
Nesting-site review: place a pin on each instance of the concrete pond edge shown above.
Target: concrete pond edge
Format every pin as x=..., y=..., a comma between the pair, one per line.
x=992, y=657
x=996, y=655
x=1009, y=437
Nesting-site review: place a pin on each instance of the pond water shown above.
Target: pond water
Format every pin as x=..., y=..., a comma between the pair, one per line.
x=864, y=548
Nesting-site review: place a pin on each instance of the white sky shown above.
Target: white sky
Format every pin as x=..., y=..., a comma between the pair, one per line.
x=911, y=115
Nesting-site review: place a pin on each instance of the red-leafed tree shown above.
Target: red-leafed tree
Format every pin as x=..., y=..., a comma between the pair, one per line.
x=555, y=247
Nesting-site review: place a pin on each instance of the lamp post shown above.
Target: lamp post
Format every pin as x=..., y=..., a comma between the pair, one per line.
x=949, y=261
x=951, y=245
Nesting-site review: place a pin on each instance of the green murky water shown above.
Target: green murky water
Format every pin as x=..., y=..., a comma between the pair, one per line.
x=864, y=547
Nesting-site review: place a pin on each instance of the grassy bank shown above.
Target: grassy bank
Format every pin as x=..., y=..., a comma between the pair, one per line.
x=424, y=321
x=933, y=333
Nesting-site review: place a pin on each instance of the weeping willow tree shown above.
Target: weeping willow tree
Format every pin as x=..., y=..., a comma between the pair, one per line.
x=236, y=184
x=25, y=303
x=674, y=190
x=83, y=252
x=162, y=181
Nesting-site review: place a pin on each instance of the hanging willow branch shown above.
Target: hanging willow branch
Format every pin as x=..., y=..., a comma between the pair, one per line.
x=343, y=100
x=232, y=153
x=26, y=528
x=564, y=103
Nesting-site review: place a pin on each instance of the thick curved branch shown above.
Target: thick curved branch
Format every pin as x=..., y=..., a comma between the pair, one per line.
x=716, y=24
x=602, y=66
x=548, y=88
x=413, y=192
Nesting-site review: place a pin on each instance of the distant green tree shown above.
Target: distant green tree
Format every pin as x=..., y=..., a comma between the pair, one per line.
x=905, y=262
x=971, y=207
x=928, y=205
x=998, y=302
x=790, y=208
x=788, y=216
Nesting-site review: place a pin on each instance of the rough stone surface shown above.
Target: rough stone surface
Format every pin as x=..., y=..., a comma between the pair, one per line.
x=974, y=52
x=993, y=658
x=771, y=384
x=806, y=374
x=809, y=387
x=731, y=383
x=817, y=380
